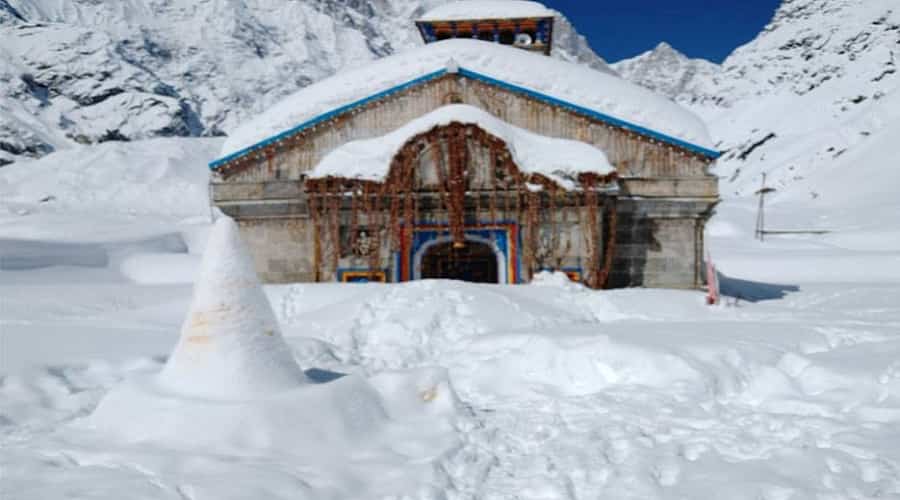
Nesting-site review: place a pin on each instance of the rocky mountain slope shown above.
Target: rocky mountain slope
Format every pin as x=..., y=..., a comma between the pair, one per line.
x=671, y=73
x=78, y=71
x=817, y=86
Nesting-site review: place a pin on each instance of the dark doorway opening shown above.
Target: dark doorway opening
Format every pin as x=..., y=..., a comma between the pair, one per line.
x=474, y=262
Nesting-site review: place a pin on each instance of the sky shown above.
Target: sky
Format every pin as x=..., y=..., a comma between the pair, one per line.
x=710, y=29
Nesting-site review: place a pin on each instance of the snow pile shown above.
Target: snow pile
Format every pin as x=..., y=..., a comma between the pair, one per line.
x=339, y=414
x=230, y=346
x=233, y=387
x=558, y=159
x=582, y=86
x=487, y=9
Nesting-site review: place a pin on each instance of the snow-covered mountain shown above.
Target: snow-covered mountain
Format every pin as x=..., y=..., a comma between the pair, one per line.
x=818, y=86
x=815, y=93
x=76, y=71
x=671, y=73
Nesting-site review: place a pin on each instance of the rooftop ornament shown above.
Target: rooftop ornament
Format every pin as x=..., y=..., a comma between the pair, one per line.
x=526, y=25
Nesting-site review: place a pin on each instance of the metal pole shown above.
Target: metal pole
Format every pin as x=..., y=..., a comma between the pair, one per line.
x=760, y=213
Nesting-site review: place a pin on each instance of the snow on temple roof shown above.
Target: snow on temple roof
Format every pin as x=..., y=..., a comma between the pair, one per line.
x=563, y=83
x=487, y=9
x=557, y=159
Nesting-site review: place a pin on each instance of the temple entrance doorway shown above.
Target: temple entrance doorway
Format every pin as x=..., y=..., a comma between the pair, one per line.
x=475, y=262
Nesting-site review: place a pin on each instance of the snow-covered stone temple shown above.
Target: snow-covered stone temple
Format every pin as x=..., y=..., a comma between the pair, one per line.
x=477, y=156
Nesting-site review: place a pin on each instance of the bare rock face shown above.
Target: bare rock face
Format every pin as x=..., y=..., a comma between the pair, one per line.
x=87, y=72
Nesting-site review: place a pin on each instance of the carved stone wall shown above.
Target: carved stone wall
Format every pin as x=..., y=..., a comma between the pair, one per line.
x=665, y=195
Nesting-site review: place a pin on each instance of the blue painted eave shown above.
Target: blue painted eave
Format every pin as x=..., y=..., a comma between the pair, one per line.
x=325, y=117
x=709, y=153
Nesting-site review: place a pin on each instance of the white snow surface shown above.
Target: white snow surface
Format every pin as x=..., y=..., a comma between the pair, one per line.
x=487, y=9
x=460, y=391
x=558, y=159
x=230, y=345
x=582, y=86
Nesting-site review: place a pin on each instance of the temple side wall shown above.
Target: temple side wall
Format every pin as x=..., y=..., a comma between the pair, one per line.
x=659, y=244
x=282, y=248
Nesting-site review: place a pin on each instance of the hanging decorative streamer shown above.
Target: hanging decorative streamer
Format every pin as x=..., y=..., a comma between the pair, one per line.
x=609, y=253
x=592, y=231
x=391, y=208
x=317, y=234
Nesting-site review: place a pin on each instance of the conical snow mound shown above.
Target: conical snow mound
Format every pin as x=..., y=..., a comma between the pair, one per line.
x=230, y=346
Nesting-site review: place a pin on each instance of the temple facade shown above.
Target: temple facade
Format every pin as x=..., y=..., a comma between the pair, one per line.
x=472, y=159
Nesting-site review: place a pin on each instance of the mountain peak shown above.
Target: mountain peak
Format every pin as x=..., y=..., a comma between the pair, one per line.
x=665, y=47
x=666, y=70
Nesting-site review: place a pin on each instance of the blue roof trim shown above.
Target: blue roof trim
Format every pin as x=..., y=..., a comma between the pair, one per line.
x=325, y=117
x=593, y=114
x=475, y=76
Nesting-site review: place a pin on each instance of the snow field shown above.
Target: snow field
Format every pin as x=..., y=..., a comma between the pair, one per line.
x=463, y=391
x=671, y=404
x=562, y=393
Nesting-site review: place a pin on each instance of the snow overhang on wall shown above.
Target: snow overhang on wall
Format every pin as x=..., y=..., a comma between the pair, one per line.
x=560, y=160
x=575, y=87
